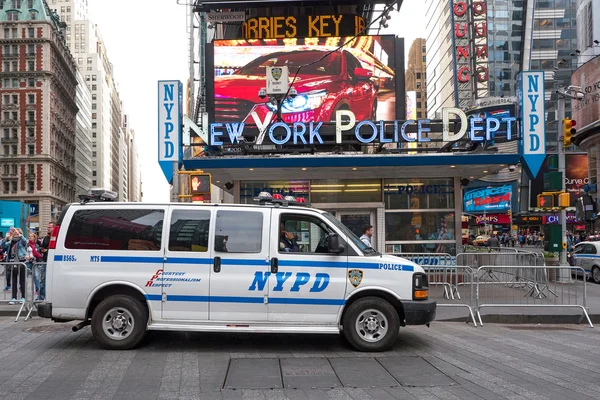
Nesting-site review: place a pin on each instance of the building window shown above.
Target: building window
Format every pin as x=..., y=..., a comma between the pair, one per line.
x=94, y=87
x=424, y=59
x=30, y=3
x=16, y=3
x=30, y=169
x=6, y=33
x=93, y=154
x=94, y=125
x=418, y=75
x=31, y=50
x=94, y=96
x=31, y=98
x=31, y=82
x=12, y=15
x=31, y=132
x=29, y=186
x=93, y=78
x=93, y=106
x=15, y=33
x=93, y=173
x=33, y=15
x=14, y=149
x=423, y=49
x=345, y=190
x=15, y=83
x=94, y=136
x=6, y=187
x=31, y=32
x=89, y=60
x=6, y=169
x=31, y=65
x=419, y=114
x=14, y=169
x=14, y=187
x=30, y=116
x=6, y=67
x=93, y=183
x=94, y=115
x=31, y=149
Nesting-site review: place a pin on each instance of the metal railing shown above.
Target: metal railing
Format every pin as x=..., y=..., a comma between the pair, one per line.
x=530, y=286
x=37, y=285
x=16, y=277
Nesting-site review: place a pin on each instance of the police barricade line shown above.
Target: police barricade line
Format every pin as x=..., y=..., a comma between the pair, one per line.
x=16, y=278
x=447, y=294
x=37, y=285
x=486, y=249
x=475, y=260
x=531, y=286
x=434, y=264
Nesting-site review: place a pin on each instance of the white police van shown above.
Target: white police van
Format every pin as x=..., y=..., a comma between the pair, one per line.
x=126, y=268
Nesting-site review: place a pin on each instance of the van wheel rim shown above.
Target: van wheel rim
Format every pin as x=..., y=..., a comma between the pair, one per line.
x=118, y=323
x=371, y=325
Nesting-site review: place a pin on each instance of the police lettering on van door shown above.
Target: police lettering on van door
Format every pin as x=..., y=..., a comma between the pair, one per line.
x=319, y=283
x=169, y=276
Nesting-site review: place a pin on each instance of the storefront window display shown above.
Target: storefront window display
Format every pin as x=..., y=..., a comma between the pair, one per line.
x=448, y=248
x=345, y=191
x=251, y=189
x=417, y=193
x=419, y=226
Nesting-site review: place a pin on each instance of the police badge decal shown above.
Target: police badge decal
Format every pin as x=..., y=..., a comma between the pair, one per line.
x=355, y=276
x=276, y=73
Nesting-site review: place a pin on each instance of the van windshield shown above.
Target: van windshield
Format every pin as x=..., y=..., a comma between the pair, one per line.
x=367, y=250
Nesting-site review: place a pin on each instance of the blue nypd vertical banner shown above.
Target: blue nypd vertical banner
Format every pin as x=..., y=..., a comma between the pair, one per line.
x=533, y=121
x=169, y=125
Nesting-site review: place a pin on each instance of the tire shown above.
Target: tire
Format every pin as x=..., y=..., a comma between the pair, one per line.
x=122, y=310
x=596, y=274
x=381, y=315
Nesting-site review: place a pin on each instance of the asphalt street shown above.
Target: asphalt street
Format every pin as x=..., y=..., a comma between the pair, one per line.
x=451, y=360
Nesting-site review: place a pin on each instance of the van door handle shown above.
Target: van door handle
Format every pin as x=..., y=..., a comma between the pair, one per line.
x=217, y=264
x=274, y=265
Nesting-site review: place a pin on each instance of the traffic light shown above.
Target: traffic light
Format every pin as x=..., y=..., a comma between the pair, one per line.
x=200, y=184
x=545, y=201
x=564, y=200
x=569, y=130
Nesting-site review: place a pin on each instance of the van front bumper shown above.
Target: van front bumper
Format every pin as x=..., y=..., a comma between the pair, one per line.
x=44, y=310
x=419, y=312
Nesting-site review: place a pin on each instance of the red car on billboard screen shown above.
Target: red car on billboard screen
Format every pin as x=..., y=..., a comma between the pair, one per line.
x=326, y=81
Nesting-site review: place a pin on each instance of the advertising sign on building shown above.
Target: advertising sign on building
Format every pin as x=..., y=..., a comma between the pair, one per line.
x=587, y=111
x=576, y=177
x=491, y=198
x=286, y=27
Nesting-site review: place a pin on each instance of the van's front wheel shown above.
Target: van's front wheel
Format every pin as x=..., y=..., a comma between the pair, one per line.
x=371, y=324
x=119, y=322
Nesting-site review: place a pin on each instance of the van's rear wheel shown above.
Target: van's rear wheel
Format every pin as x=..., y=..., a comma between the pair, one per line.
x=371, y=324
x=119, y=322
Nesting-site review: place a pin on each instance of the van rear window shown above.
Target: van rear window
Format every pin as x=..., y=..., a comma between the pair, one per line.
x=111, y=229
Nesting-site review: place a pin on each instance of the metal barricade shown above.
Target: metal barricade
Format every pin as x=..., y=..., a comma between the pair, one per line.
x=443, y=276
x=37, y=286
x=15, y=274
x=529, y=286
x=486, y=249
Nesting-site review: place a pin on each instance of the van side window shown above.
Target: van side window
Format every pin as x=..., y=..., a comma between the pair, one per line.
x=238, y=231
x=113, y=229
x=302, y=234
x=189, y=231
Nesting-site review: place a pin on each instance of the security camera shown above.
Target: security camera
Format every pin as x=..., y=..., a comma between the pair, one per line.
x=262, y=93
x=579, y=95
x=293, y=93
x=575, y=88
x=512, y=167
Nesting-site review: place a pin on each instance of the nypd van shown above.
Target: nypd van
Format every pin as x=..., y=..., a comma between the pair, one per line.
x=275, y=267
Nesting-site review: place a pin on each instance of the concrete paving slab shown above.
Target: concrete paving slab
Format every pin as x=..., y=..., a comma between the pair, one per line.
x=308, y=373
x=362, y=373
x=414, y=371
x=246, y=373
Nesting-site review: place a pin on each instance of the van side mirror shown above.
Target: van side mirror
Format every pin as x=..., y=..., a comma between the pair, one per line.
x=333, y=243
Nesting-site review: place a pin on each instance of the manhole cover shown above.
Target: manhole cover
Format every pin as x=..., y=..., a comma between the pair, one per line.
x=49, y=328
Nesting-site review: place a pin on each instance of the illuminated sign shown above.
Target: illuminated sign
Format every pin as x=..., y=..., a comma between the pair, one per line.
x=492, y=219
x=365, y=132
x=7, y=222
x=470, y=50
x=303, y=26
x=200, y=184
x=488, y=198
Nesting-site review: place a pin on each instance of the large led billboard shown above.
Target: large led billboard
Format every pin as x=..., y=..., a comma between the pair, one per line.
x=491, y=198
x=360, y=77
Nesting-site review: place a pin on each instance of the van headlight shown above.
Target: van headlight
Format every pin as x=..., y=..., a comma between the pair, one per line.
x=302, y=102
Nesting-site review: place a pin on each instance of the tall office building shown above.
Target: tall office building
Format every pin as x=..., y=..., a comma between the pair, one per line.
x=415, y=76
x=38, y=117
x=588, y=27
x=554, y=48
x=83, y=137
x=110, y=146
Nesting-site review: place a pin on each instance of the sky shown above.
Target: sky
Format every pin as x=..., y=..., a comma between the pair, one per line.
x=147, y=42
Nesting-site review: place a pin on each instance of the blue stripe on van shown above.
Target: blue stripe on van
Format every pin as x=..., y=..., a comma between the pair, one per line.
x=246, y=300
x=134, y=259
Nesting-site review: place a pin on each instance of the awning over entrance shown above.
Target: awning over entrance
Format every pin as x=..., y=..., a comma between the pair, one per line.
x=226, y=169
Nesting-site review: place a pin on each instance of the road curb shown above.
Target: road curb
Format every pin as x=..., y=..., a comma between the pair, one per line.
x=529, y=319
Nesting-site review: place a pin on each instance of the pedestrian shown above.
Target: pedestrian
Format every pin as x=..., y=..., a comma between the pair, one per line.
x=34, y=256
x=42, y=270
x=521, y=240
x=493, y=241
x=3, y=246
x=367, y=235
x=16, y=250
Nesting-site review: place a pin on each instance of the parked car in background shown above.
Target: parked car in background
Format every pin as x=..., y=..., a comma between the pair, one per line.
x=482, y=240
x=587, y=256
